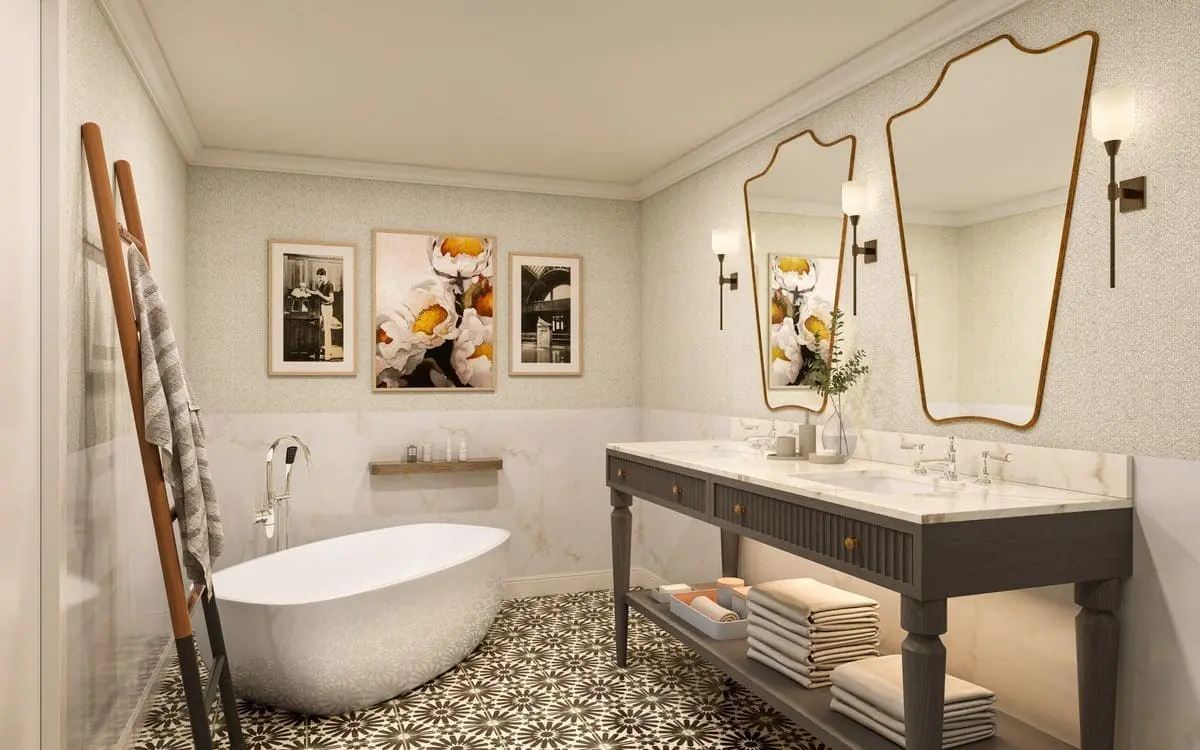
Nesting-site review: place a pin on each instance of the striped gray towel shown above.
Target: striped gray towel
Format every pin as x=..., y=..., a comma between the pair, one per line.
x=173, y=424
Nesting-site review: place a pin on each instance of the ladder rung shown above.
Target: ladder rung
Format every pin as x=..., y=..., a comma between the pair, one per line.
x=214, y=681
x=197, y=592
x=174, y=514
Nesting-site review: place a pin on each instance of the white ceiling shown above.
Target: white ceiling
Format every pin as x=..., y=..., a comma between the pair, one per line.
x=616, y=98
x=1002, y=127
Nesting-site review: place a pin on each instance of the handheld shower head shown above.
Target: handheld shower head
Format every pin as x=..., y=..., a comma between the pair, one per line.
x=289, y=458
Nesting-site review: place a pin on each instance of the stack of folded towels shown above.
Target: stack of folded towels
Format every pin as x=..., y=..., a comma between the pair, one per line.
x=803, y=629
x=871, y=692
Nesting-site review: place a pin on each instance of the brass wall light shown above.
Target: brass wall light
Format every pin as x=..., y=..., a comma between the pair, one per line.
x=724, y=243
x=854, y=205
x=1112, y=122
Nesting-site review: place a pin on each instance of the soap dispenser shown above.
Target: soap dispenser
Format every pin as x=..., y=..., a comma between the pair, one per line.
x=462, y=450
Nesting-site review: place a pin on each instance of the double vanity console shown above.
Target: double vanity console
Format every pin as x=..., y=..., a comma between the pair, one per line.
x=925, y=538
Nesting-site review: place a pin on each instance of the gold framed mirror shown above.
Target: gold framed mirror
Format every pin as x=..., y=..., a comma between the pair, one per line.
x=797, y=242
x=984, y=170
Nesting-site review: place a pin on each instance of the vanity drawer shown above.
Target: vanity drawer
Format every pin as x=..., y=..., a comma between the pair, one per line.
x=822, y=535
x=651, y=482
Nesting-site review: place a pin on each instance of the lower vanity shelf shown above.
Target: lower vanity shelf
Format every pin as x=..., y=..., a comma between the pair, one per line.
x=810, y=708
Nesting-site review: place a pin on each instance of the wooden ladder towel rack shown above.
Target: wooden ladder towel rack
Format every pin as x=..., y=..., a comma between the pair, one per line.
x=179, y=604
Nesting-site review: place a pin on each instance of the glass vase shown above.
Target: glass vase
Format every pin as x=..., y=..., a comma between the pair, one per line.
x=838, y=434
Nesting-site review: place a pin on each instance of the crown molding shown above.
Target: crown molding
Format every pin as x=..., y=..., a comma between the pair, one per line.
x=919, y=38
x=990, y=211
x=368, y=170
x=135, y=35
x=797, y=207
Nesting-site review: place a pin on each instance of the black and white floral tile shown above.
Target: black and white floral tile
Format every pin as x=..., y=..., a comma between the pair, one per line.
x=543, y=679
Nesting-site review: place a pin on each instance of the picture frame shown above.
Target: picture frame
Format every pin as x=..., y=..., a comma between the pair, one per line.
x=798, y=287
x=311, y=304
x=546, y=315
x=434, y=298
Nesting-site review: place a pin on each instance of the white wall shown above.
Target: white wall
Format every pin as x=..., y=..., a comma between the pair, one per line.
x=20, y=684
x=113, y=610
x=1106, y=390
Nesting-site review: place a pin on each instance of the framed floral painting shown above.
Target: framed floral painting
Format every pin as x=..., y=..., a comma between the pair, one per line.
x=434, y=307
x=801, y=296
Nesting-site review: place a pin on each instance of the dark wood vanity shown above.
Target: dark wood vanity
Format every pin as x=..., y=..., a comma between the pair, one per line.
x=926, y=563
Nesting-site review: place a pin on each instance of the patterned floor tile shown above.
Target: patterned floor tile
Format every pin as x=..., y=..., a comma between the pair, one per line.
x=543, y=679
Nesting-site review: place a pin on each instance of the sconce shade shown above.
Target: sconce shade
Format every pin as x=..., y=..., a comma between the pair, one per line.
x=1112, y=114
x=854, y=198
x=724, y=242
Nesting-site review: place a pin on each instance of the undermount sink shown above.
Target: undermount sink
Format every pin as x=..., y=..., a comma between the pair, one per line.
x=876, y=482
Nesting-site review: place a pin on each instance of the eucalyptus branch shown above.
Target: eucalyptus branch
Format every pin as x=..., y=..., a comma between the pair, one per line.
x=836, y=375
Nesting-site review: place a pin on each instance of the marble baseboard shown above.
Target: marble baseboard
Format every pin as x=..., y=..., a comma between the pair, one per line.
x=1107, y=474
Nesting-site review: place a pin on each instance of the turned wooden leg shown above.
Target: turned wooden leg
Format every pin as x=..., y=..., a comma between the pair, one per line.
x=622, y=539
x=1097, y=647
x=924, y=659
x=731, y=546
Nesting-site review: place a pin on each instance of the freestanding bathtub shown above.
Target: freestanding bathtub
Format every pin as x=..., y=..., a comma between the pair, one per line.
x=341, y=624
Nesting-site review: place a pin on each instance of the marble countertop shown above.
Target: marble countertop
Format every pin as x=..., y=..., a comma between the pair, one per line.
x=945, y=501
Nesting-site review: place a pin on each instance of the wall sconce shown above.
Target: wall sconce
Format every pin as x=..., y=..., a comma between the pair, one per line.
x=724, y=243
x=1112, y=122
x=854, y=205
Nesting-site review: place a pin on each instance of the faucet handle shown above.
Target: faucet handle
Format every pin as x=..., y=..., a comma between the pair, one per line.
x=907, y=446
x=985, y=477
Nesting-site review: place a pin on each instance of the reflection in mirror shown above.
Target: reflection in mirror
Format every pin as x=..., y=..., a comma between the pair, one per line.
x=797, y=231
x=984, y=171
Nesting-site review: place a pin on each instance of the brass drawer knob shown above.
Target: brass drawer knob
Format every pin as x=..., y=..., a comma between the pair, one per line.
x=850, y=544
x=676, y=490
x=620, y=473
x=739, y=510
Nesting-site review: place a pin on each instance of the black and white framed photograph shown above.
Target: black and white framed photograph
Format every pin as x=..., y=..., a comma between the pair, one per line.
x=546, y=332
x=311, y=308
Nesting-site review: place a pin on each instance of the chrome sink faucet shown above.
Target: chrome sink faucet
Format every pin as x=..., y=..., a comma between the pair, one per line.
x=948, y=464
x=986, y=477
x=762, y=442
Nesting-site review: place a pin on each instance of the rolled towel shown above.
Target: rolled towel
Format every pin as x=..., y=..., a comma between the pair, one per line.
x=950, y=737
x=880, y=682
x=976, y=719
x=817, y=641
x=789, y=619
x=818, y=679
x=712, y=610
x=808, y=599
x=835, y=655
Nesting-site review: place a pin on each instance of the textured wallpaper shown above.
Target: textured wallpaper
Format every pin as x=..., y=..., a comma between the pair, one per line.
x=1122, y=368
x=232, y=214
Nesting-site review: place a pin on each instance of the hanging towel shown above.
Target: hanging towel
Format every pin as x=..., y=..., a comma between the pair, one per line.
x=809, y=600
x=950, y=737
x=172, y=422
x=880, y=682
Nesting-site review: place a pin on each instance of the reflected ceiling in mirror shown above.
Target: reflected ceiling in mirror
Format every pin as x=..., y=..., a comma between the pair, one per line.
x=797, y=232
x=984, y=170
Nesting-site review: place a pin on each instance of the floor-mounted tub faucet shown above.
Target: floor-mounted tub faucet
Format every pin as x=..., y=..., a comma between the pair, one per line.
x=266, y=514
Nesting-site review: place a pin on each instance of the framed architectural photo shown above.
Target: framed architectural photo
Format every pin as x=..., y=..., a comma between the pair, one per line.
x=434, y=302
x=546, y=331
x=311, y=308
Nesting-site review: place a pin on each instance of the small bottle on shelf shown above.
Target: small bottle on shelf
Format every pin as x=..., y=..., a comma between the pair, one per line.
x=462, y=450
x=449, y=449
x=412, y=453
x=427, y=453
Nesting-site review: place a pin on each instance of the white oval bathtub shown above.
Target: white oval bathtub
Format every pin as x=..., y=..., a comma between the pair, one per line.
x=345, y=623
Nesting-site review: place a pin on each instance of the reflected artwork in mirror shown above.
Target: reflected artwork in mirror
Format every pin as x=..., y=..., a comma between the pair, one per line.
x=984, y=171
x=797, y=234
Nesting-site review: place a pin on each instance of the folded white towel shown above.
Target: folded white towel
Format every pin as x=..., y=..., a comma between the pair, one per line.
x=806, y=639
x=880, y=682
x=808, y=598
x=977, y=710
x=820, y=679
x=950, y=738
x=712, y=610
x=976, y=719
x=823, y=656
x=831, y=623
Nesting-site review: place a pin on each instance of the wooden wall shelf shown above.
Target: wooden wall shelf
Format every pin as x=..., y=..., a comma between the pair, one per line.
x=405, y=468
